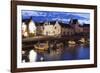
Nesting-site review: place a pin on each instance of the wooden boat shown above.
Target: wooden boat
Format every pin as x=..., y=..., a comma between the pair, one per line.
x=41, y=46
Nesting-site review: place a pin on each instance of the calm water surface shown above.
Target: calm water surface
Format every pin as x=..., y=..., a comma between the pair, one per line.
x=70, y=52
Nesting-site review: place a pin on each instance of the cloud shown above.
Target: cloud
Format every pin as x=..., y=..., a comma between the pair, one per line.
x=61, y=16
x=33, y=13
x=84, y=21
x=84, y=15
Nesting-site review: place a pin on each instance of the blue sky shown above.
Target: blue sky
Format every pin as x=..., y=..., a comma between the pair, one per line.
x=40, y=16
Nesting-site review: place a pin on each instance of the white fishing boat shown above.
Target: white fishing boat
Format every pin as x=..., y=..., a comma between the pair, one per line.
x=82, y=40
x=71, y=42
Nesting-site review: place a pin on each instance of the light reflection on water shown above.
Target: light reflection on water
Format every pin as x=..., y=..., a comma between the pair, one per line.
x=71, y=52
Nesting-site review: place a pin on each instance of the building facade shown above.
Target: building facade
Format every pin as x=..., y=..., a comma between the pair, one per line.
x=54, y=28
x=50, y=29
x=32, y=28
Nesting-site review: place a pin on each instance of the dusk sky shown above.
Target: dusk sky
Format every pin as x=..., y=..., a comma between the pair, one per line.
x=40, y=16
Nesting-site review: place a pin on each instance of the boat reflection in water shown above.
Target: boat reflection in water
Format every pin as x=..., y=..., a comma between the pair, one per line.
x=69, y=52
x=57, y=52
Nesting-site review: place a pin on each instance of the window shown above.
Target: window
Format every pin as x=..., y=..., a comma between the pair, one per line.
x=43, y=28
x=55, y=27
x=46, y=33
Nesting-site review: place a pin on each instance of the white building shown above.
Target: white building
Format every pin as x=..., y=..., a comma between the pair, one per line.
x=48, y=29
x=51, y=29
x=32, y=27
x=57, y=28
x=24, y=30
